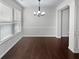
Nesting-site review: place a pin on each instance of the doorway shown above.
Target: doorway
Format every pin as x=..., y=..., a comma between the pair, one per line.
x=65, y=25
x=65, y=22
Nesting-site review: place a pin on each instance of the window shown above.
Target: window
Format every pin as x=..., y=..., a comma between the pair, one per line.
x=17, y=21
x=5, y=21
x=5, y=13
x=6, y=31
x=10, y=21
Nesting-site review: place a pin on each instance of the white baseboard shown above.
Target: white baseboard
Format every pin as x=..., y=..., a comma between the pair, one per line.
x=45, y=36
x=65, y=35
x=71, y=49
x=39, y=35
x=62, y=36
x=74, y=50
x=77, y=51
x=58, y=36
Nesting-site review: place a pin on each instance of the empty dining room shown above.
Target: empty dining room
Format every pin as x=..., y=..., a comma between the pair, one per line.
x=39, y=29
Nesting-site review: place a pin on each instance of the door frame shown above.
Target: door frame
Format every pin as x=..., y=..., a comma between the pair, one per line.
x=59, y=21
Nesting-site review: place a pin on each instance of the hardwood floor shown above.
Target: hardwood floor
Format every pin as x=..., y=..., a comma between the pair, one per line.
x=41, y=48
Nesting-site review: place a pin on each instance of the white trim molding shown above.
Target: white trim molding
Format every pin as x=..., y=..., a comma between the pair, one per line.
x=39, y=35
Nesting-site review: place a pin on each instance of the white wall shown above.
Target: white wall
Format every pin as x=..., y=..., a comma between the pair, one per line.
x=77, y=26
x=71, y=4
x=40, y=26
x=9, y=43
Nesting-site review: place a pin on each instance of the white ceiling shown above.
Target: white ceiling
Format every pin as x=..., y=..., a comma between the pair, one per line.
x=32, y=3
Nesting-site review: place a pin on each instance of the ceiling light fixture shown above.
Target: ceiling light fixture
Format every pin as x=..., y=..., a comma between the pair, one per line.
x=39, y=13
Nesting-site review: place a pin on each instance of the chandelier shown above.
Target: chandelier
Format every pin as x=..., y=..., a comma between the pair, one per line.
x=39, y=13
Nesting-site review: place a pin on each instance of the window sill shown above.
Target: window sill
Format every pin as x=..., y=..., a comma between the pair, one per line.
x=7, y=38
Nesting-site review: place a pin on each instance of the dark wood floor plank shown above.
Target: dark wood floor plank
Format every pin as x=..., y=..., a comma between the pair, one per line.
x=41, y=48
